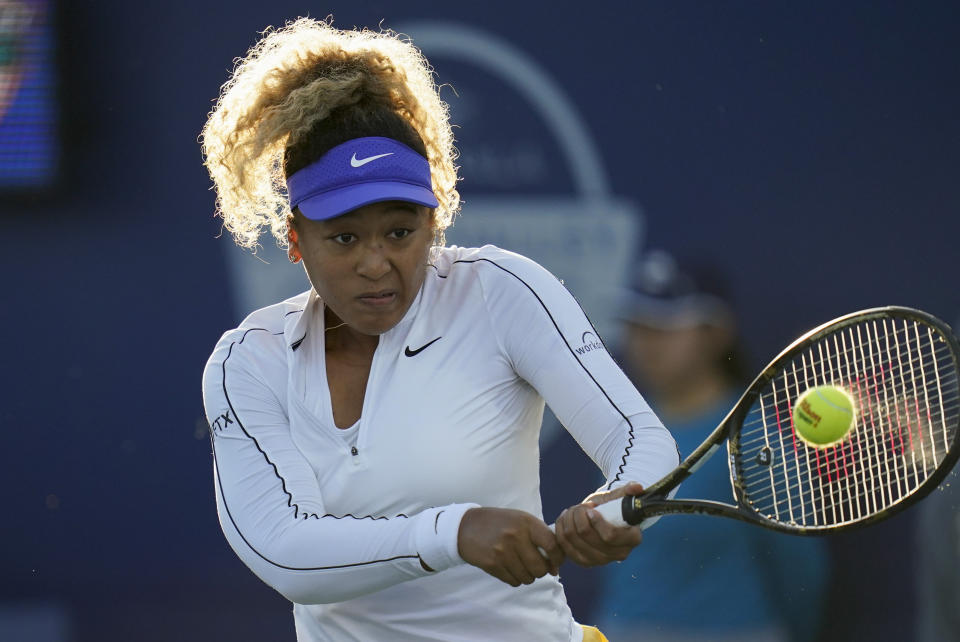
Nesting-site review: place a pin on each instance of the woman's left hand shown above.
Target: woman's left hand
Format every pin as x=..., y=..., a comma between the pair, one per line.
x=588, y=539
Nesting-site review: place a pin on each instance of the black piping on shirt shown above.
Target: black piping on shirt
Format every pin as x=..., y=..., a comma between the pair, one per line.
x=626, y=452
x=283, y=484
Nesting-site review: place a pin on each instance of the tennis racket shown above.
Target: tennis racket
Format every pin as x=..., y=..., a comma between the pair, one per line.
x=900, y=367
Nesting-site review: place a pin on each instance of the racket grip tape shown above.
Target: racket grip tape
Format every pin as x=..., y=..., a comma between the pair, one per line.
x=615, y=510
x=612, y=512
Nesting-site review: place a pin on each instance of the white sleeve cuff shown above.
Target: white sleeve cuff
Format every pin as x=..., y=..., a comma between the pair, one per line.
x=437, y=535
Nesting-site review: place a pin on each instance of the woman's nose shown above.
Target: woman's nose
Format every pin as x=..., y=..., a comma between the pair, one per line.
x=373, y=262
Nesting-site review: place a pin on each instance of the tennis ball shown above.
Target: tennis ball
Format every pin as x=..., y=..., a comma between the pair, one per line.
x=823, y=416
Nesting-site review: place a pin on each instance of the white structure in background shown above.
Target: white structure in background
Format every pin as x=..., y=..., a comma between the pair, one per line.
x=587, y=240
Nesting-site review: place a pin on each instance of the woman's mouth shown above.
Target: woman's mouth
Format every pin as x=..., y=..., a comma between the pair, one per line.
x=377, y=299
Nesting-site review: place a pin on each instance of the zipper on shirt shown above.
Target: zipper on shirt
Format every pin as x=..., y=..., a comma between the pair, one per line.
x=355, y=457
x=366, y=410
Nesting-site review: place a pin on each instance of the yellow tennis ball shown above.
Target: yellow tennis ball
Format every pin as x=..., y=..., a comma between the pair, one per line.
x=823, y=416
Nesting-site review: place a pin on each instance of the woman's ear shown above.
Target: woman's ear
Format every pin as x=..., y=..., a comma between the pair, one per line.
x=293, y=244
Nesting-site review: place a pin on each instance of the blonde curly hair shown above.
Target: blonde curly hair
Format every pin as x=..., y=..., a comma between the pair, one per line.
x=292, y=84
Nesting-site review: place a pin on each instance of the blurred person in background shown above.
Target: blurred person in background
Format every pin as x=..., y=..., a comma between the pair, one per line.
x=701, y=578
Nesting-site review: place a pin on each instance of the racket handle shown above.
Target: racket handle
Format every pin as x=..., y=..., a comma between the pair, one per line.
x=613, y=511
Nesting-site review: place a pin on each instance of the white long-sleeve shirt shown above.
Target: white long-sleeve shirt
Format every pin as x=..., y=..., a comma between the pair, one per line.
x=339, y=521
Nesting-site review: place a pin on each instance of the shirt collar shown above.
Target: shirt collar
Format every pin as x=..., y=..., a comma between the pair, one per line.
x=295, y=328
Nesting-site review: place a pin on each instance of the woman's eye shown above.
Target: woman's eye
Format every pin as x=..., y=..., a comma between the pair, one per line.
x=344, y=239
x=400, y=233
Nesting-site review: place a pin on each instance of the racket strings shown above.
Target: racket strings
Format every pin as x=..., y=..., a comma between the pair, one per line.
x=943, y=354
x=839, y=505
x=838, y=465
x=857, y=364
x=837, y=462
x=754, y=433
x=833, y=474
x=901, y=375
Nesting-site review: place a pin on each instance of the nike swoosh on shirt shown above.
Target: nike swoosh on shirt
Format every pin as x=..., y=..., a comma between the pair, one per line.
x=412, y=353
x=359, y=162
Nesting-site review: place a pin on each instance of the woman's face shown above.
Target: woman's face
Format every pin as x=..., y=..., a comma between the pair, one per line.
x=367, y=265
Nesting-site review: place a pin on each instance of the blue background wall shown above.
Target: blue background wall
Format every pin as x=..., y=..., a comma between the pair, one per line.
x=810, y=149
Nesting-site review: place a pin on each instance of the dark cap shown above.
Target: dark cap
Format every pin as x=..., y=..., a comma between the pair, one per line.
x=666, y=294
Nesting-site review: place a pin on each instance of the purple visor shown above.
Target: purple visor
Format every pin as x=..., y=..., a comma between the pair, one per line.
x=359, y=172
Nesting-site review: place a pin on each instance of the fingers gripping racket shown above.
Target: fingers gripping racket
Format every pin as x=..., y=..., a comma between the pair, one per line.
x=898, y=365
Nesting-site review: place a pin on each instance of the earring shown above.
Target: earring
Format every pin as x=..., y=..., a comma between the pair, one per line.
x=293, y=256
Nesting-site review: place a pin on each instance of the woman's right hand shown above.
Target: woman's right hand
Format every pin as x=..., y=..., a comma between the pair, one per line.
x=507, y=544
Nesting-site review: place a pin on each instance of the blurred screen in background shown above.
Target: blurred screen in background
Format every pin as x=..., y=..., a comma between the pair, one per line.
x=28, y=114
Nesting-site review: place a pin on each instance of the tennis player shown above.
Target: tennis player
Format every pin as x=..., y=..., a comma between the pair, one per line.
x=375, y=438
